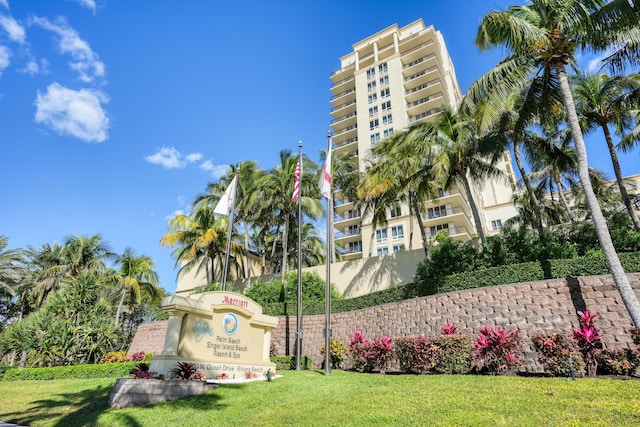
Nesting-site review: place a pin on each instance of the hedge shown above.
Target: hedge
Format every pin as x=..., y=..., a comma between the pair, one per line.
x=288, y=363
x=104, y=370
x=515, y=273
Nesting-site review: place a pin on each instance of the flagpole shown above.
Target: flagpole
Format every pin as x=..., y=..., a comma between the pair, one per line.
x=327, y=307
x=299, y=311
x=226, y=255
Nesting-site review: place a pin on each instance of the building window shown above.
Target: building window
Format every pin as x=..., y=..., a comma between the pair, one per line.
x=441, y=192
x=437, y=212
x=388, y=132
x=434, y=230
x=384, y=80
x=383, y=251
x=386, y=105
x=373, y=98
x=395, y=211
x=397, y=232
x=352, y=229
x=354, y=247
x=382, y=68
x=385, y=93
x=371, y=73
x=373, y=111
x=375, y=138
x=381, y=235
x=386, y=120
x=373, y=124
x=398, y=248
x=371, y=86
x=496, y=224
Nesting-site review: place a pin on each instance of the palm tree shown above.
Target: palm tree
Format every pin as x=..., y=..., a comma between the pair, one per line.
x=272, y=197
x=200, y=240
x=402, y=172
x=11, y=268
x=543, y=38
x=135, y=274
x=601, y=100
x=248, y=174
x=465, y=154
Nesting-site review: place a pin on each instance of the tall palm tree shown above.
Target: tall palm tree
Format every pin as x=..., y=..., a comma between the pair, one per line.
x=601, y=100
x=466, y=154
x=248, y=173
x=135, y=274
x=272, y=197
x=543, y=38
x=402, y=172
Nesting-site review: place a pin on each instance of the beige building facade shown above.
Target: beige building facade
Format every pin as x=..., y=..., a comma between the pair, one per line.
x=391, y=80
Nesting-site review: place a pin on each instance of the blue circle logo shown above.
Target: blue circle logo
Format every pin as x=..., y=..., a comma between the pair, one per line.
x=230, y=324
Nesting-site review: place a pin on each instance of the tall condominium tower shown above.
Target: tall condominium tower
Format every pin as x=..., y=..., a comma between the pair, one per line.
x=391, y=80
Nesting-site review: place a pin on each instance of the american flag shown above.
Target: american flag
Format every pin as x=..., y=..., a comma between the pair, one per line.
x=296, y=187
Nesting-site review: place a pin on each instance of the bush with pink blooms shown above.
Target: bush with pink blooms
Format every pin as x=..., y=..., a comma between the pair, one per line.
x=587, y=336
x=369, y=356
x=497, y=351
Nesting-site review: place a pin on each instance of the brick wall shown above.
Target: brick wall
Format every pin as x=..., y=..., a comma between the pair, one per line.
x=531, y=307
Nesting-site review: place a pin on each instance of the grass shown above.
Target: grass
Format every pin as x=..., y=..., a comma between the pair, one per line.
x=308, y=398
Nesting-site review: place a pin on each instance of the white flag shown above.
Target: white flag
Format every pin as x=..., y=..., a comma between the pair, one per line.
x=325, y=179
x=227, y=201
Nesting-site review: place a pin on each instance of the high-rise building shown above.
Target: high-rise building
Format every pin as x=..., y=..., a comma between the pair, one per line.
x=391, y=80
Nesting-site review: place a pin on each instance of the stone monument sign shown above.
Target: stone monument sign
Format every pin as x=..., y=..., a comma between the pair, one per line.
x=219, y=332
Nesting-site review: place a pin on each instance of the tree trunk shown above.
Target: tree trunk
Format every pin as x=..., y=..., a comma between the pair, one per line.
x=246, y=252
x=285, y=255
x=618, y=172
x=535, y=204
x=120, y=304
x=423, y=232
x=604, y=237
x=474, y=210
x=564, y=200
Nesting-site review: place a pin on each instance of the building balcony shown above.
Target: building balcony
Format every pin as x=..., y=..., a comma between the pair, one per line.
x=348, y=236
x=346, y=120
x=346, y=132
x=350, y=217
x=347, y=95
x=421, y=77
x=429, y=88
x=423, y=62
x=337, y=75
x=425, y=103
x=348, y=107
x=457, y=233
x=343, y=85
x=421, y=116
x=425, y=48
x=455, y=216
x=348, y=146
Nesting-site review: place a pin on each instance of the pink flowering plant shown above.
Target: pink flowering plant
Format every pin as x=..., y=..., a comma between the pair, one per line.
x=142, y=372
x=369, y=356
x=588, y=338
x=449, y=329
x=559, y=354
x=496, y=351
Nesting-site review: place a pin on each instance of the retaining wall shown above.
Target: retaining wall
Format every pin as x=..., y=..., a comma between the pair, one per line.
x=530, y=307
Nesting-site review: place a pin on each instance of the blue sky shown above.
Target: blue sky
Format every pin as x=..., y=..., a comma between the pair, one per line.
x=115, y=114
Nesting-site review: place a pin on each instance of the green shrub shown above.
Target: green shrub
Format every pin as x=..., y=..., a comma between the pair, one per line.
x=453, y=353
x=109, y=370
x=623, y=361
x=288, y=363
x=559, y=354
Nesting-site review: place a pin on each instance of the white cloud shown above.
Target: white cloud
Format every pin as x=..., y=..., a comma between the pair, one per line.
x=194, y=157
x=77, y=113
x=216, y=171
x=85, y=61
x=5, y=3
x=5, y=58
x=89, y=4
x=170, y=158
x=16, y=31
x=32, y=67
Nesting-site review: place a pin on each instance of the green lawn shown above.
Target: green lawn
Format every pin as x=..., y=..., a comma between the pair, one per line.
x=308, y=398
